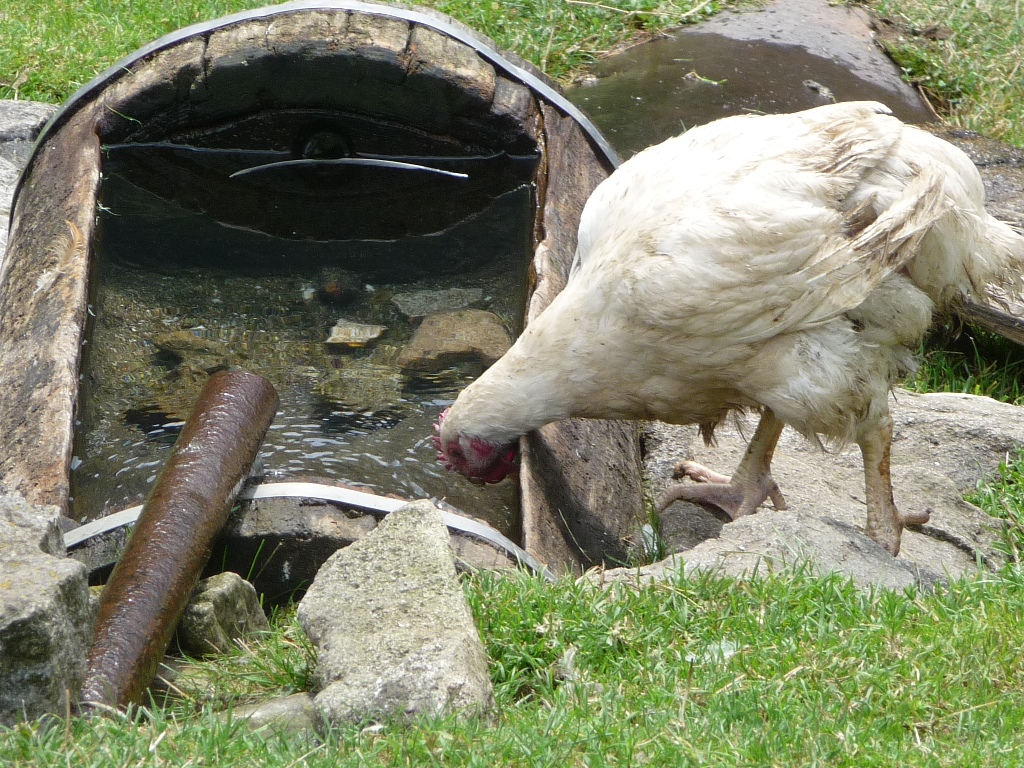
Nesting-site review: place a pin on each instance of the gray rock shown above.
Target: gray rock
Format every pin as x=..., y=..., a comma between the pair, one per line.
x=449, y=338
x=23, y=120
x=29, y=528
x=20, y=123
x=393, y=633
x=419, y=304
x=943, y=444
x=295, y=715
x=841, y=33
x=45, y=620
x=223, y=609
x=782, y=56
x=9, y=171
x=771, y=541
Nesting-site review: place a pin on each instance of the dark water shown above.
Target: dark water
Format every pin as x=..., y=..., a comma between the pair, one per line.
x=661, y=88
x=248, y=299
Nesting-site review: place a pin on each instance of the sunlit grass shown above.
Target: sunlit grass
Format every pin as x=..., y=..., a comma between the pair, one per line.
x=280, y=662
x=1002, y=497
x=968, y=56
x=791, y=669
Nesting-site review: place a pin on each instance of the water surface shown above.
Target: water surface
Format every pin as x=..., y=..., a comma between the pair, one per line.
x=252, y=300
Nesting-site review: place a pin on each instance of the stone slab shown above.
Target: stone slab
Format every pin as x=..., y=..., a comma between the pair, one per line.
x=393, y=633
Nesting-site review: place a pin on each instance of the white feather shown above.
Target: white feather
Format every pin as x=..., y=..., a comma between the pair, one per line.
x=792, y=262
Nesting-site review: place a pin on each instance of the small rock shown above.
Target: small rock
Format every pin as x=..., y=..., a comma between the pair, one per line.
x=345, y=333
x=450, y=338
x=173, y=401
x=208, y=354
x=224, y=608
x=295, y=715
x=286, y=540
x=393, y=633
x=685, y=525
x=185, y=343
x=338, y=286
x=419, y=304
x=361, y=386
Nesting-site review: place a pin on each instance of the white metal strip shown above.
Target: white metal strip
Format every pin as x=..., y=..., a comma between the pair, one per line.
x=359, y=499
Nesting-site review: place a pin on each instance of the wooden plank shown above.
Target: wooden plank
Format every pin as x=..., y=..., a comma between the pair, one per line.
x=994, y=320
x=581, y=478
x=43, y=302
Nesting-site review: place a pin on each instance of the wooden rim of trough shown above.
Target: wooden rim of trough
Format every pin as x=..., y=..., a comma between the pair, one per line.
x=582, y=497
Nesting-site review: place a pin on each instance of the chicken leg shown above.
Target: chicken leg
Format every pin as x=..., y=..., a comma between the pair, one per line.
x=749, y=486
x=885, y=522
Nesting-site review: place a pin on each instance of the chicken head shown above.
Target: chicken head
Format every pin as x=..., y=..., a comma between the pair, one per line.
x=477, y=459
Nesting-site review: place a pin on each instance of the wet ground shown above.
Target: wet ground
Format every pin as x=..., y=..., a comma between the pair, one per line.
x=793, y=55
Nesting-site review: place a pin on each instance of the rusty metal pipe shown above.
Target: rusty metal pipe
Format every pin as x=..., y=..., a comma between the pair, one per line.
x=189, y=504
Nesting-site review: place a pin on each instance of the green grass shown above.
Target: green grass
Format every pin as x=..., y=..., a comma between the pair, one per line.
x=974, y=362
x=815, y=672
x=968, y=55
x=49, y=48
x=1002, y=497
x=281, y=661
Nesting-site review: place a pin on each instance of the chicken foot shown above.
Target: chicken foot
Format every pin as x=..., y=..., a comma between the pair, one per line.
x=748, y=487
x=885, y=522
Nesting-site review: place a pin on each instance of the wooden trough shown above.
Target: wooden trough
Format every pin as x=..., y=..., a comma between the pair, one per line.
x=406, y=86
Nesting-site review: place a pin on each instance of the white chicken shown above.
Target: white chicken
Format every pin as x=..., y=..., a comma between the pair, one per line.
x=787, y=264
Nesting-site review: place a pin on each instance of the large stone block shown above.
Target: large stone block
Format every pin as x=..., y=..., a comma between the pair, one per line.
x=45, y=622
x=393, y=632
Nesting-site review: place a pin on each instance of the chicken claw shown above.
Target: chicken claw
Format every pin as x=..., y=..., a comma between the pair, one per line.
x=718, y=490
x=740, y=494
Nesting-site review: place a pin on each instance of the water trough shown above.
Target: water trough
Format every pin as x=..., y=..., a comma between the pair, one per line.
x=331, y=129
